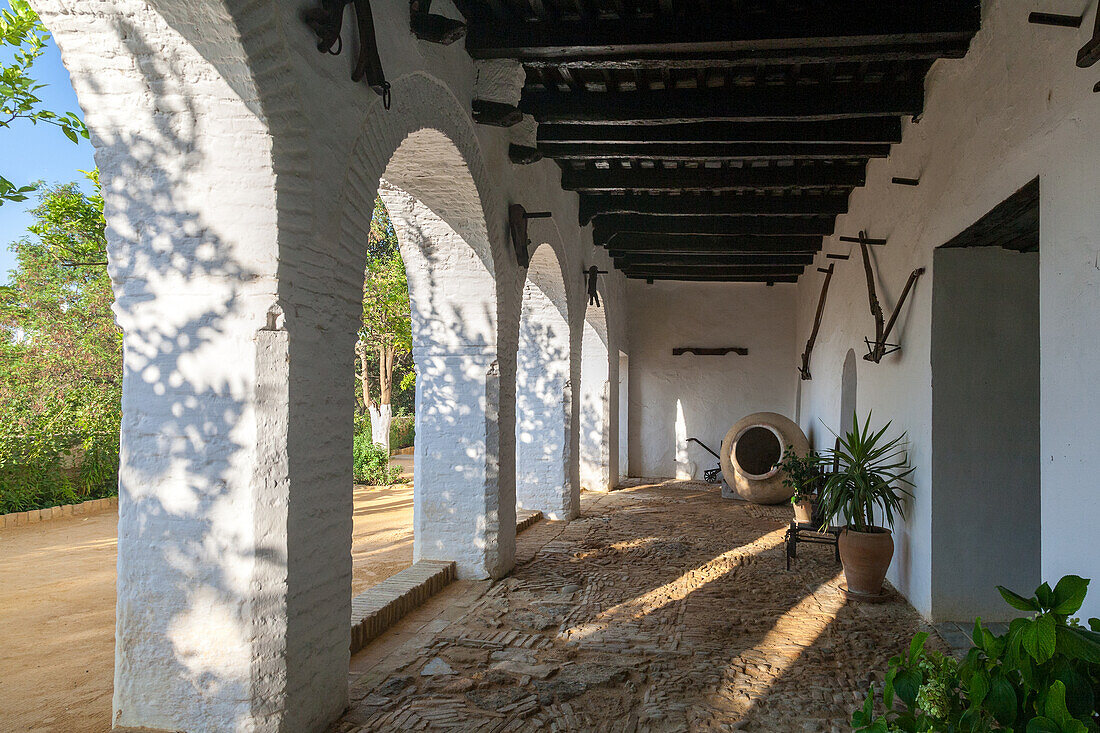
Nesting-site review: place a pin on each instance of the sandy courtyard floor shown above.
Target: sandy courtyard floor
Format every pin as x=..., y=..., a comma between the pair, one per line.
x=57, y=607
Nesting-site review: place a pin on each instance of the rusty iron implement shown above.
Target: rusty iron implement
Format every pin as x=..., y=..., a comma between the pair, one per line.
x=517, y=225
x=804, y=370
x=327, y=22
x=591, y=278
x=880, y=347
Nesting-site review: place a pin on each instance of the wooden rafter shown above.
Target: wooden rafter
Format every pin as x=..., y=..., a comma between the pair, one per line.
x=707, y=205
x=868, y=130
x=714, y=179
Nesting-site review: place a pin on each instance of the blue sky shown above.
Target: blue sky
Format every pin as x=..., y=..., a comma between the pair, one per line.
x=29, y=153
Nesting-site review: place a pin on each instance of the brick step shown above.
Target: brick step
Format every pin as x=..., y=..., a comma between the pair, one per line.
x=381, y=606
x=525, y=519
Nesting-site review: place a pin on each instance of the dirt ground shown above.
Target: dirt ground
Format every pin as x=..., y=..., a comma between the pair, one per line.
x=57, y=607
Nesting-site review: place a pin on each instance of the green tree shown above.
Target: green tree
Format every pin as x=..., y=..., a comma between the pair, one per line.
x=385, y=335
x=24, y=38
x=60, y=356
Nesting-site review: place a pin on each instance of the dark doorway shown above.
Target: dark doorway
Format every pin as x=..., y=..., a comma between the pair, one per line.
x=985, y=413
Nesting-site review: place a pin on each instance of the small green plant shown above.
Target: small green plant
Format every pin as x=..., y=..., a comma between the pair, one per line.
x=1042, y=676
x=801, y=473
x=371, y=463
x=870, y=472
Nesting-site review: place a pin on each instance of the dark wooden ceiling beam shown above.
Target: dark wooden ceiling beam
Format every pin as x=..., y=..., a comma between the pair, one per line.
x=870, y=130
x=713, y=179
x=654, y=61
x=712, y=151
x=716, y=278
x=759, y=103
x=758, y=205
x=852, y=23
x=717, y=270
x=758, y=258
x=608, y=228
x=713, y=244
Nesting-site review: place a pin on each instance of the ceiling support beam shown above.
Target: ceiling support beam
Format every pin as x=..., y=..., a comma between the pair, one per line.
x=727, y=271
x=852, y=23
x=717, y=278
x=713, y=244
x=656, y=60
x=869, y=130
x=689, y=205
x=760, y=103
x=713, y=151
x=713, y=179
x=666, y=260
x=608, y=227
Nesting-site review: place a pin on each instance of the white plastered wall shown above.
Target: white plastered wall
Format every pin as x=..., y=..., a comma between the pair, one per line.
x=239, y=168
x=1014, y=108
x=595, y=402
x=544, y=395
x=673, y=398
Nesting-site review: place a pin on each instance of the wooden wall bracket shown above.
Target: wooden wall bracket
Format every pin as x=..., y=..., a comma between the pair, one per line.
x=431, y=27
x=702, y=351
x=1059, y=20
x=880, y=347
x=804, y=369
x=497, y=114
x=523, y=154
x=517, y=226
x=905, y=181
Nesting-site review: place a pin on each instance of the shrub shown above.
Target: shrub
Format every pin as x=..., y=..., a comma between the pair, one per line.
x=371, y=463
x=402, y=432
x=1042, y=676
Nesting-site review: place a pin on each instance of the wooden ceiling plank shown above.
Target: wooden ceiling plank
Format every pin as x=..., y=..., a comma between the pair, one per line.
x=714, y=151
x=869, y=131
x=760, y=103
x=758, y=205
x=714, y=179
x=852, y=23
x=713, y=244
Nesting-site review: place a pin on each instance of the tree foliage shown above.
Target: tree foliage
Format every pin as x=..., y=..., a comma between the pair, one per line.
x=24, y=38
x=60, y=357
x=385, y=333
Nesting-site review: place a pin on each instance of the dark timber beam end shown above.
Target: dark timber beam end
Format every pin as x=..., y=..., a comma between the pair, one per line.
x=523, y=155
x=496, y=114
x=436, y=28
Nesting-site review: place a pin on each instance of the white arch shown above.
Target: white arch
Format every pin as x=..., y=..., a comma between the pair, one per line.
x=595, y=402
x=543, y=393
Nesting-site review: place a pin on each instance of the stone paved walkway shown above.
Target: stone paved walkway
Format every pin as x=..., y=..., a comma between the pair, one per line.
x=662, y=608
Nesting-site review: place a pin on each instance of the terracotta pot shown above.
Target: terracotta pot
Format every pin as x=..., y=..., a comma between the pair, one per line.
x=804, y=511
x=866, y=558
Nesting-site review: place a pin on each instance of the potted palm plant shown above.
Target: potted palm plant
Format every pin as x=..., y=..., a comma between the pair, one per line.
x=871, y=472
x=801, y=474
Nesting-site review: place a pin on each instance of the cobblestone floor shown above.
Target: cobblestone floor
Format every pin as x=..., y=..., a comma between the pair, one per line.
x=662, y=608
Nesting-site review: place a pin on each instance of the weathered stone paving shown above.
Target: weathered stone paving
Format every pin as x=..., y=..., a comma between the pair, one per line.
x=662, y=608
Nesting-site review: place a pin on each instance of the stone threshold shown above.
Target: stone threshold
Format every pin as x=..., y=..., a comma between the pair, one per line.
x=34, y=516
x=381, y=606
